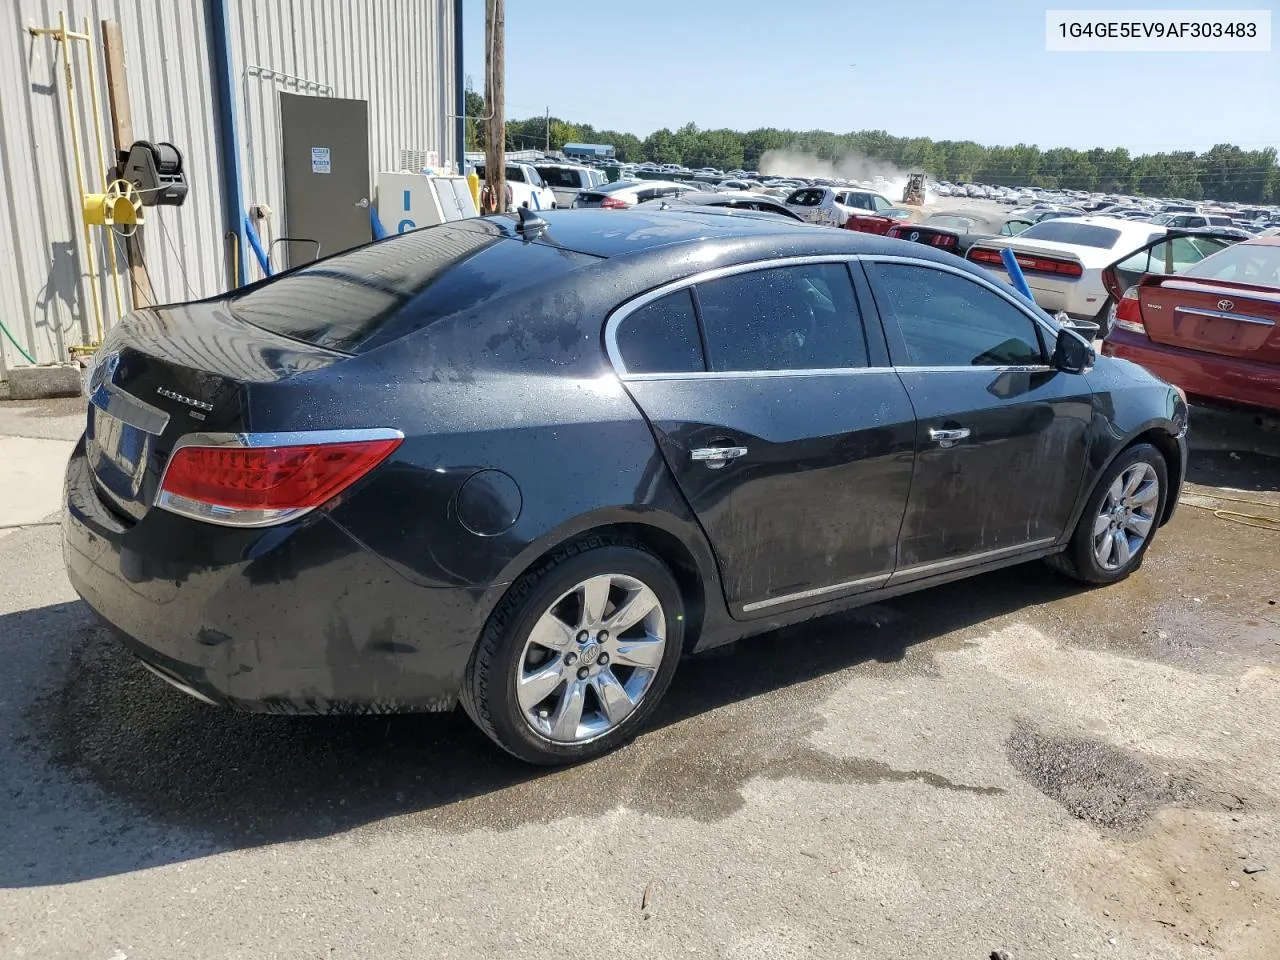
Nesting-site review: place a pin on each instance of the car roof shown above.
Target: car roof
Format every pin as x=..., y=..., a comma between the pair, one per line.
x=639, y=230
x=1135, y=227
x=1264, y=240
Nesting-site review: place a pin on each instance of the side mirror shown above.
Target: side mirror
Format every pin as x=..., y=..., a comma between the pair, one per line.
x=1072, y=353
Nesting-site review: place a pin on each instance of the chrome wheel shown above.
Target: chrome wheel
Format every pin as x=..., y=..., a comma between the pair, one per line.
x=590, y=658
x=1127, y=516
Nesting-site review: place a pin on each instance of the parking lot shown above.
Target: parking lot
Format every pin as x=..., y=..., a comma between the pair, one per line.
x=1008, y=763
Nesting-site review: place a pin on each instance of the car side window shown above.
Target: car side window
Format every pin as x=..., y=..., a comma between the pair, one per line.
x=661, y=337
x=947, y=320
x=803, y=317
x=880, y=203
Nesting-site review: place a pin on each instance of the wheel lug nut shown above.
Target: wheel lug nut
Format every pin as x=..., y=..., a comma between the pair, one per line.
x=604, y=635
x=583, y=637
x=604, y=660
x=570, y=659
x=583, y=673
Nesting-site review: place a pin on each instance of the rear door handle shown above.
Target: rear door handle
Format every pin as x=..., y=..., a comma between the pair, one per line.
x=717, y=457
x=948, y=438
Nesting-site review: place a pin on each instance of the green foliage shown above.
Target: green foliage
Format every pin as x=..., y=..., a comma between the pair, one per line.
x=1225, y=172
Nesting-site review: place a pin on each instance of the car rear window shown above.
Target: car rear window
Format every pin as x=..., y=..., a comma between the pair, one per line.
x=377, y=293
x=561, y=177
x=1243, y=263
x=1081, y=234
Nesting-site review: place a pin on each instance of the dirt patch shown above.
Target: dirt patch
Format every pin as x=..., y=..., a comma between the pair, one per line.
x=1102, y=784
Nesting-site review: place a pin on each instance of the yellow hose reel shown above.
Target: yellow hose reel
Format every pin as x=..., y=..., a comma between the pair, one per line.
x=120, y=206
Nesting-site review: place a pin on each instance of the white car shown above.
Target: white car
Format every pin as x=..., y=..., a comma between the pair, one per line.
x=567, y=180
x=832, y=206
x=1063, y=259
x=525, y=187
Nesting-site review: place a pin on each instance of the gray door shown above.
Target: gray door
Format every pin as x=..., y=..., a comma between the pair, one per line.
x=326, y=175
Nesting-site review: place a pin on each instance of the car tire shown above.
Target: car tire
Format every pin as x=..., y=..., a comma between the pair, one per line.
x=1095, y=555
x=509, y=666
x=1106, y=318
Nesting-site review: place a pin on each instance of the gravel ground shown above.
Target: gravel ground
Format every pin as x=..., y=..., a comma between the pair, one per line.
x=1008, y=763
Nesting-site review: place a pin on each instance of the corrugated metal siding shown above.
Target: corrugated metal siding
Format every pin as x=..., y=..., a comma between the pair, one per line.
x=45, y=298
x=396, y=54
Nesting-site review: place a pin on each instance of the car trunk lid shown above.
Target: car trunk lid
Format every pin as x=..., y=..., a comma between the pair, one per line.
x=166, y=372
x=1229, y=319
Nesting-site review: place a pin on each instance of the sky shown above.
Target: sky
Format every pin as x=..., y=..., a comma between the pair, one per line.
x=928, y=68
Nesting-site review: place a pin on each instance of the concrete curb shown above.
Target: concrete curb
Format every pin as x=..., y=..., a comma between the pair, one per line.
x=44, y=382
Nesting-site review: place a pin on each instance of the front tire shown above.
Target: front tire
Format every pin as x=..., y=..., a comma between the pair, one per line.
x=1120, y=519
x=578, y=653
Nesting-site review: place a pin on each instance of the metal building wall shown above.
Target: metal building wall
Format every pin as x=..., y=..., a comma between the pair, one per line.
x=45, y=298
x=396, y=54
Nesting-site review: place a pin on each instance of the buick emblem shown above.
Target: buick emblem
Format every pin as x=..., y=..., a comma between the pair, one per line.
x=1226, y=305
x=590, y=653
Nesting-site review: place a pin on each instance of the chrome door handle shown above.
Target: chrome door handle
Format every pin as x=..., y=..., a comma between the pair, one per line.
x=362, y=203
x=948, y=438
x=717, y=457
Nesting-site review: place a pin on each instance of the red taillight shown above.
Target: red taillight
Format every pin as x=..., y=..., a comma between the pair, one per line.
x=1030, y=262
x=243, y=484
x=944, y=240
x=1129, y=313
x=614, y=203
x=982, y=255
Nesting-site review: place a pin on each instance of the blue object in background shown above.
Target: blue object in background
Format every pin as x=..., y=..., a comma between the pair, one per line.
x=256, y=245
x=1015, y=273
x=375, y=223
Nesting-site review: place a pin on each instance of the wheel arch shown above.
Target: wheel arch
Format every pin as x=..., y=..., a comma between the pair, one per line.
x=668, y=537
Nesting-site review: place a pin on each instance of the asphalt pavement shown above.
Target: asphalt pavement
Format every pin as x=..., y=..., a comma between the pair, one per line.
x=1007, y=763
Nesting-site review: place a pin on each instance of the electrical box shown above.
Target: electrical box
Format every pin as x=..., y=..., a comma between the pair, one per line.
x=156, y=170
x=407, y=201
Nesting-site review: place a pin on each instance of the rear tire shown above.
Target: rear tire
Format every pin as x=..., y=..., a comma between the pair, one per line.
x=562, y=672
x=1119, y=520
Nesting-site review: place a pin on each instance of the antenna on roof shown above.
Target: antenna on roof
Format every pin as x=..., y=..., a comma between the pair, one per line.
x=531, y=225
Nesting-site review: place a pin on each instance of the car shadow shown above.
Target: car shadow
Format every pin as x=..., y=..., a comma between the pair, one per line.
x=109, y=770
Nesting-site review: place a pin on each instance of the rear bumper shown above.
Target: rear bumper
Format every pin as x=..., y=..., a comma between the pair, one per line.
x=300, y=618
x=1202, y=375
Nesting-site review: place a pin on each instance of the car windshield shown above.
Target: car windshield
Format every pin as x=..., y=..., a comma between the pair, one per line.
x=1080, y=234
x=1243, y=263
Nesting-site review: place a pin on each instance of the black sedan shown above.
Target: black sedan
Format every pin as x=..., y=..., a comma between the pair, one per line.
x=526, y=464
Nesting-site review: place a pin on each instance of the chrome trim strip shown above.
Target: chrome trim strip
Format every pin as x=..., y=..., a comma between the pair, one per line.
x=940, y=566
x=1222, y=315
x=629, y=307
x=127, y=408
x=753, y=374
x=1012, y=368
x=878, y=580
x=1220, y=292
x=229, y=517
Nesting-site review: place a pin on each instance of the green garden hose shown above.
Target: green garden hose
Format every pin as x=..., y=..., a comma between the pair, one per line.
x=29, y=357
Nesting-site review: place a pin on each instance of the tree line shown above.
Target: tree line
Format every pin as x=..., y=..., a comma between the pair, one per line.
x=1226, y=172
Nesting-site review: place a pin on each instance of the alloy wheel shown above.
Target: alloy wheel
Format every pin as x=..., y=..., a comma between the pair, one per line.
x=1127, y=516
x=590, y=658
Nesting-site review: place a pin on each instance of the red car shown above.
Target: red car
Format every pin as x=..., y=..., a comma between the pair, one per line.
x=1211, y=329
x=876, y=222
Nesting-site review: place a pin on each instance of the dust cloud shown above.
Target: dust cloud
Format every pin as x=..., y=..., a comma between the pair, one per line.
x=852, y=166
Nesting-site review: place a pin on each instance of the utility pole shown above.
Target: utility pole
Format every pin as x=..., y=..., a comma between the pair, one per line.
x=495, y=139
x=548, y=147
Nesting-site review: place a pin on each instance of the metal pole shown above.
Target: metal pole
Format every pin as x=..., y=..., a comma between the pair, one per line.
x=102, y=153
x=495, y=140
x=548, y=147
x=79, y=162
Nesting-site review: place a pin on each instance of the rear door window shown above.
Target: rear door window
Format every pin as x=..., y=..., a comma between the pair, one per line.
x=785, y=318
x=947, y=320
x=661, y=337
